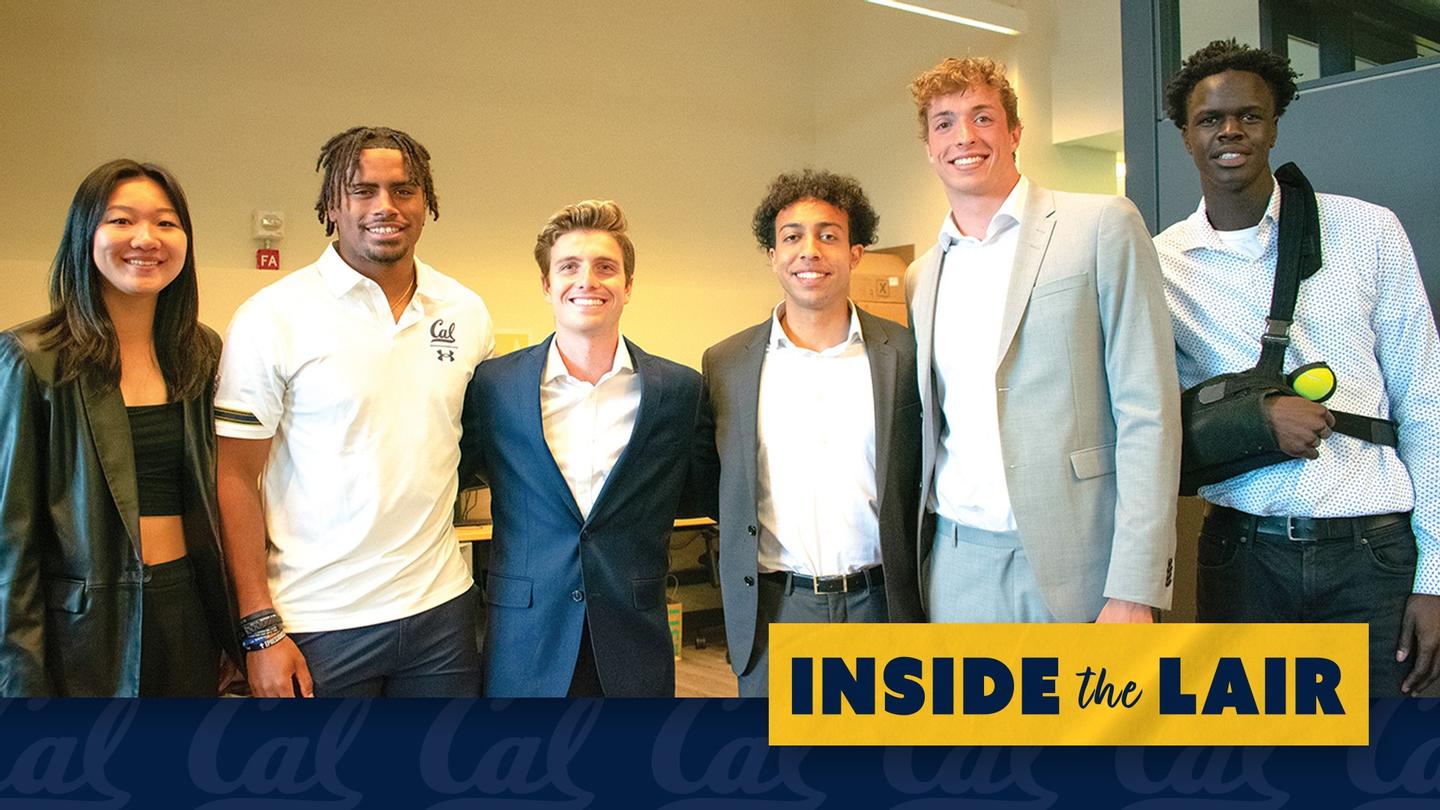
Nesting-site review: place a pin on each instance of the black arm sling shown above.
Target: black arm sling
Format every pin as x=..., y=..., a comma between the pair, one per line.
x=1225, y=431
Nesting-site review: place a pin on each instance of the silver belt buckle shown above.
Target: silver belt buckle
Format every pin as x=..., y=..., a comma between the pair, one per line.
x=1290, y=532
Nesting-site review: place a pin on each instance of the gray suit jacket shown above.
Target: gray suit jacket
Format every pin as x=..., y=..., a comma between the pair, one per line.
x=1088, y=401
x=732, y=395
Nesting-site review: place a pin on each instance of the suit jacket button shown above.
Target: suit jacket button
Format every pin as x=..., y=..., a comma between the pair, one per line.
x=750, y=530
x=749, y=580
x=584, y=535
x=577, y=595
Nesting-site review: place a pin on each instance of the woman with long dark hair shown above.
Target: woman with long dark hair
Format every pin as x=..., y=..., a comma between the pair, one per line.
x=111, y=578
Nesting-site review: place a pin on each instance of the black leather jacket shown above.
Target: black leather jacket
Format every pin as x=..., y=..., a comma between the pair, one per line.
x=70, y=570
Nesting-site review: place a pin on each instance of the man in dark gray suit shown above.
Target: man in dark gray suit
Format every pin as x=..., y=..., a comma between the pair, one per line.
x=816, y=420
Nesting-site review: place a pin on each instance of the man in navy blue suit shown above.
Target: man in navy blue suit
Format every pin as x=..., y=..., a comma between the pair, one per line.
x=585, y=441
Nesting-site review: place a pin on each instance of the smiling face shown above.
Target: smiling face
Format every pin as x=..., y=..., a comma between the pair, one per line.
x=1230, y=127
x=813, y=256
x=139, y=246
x=586, y=284
x=971, y=144
x=379, y=217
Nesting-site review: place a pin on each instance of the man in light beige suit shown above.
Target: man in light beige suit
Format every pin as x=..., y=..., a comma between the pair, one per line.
x=1051, y=439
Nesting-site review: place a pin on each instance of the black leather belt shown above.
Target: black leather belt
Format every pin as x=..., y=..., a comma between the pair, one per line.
x=1301, y=529
x=858, y=581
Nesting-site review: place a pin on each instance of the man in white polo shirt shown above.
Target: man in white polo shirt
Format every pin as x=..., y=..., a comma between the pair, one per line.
x=338, y=411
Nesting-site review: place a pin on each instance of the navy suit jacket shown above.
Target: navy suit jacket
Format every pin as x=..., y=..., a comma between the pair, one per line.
x=551, y=569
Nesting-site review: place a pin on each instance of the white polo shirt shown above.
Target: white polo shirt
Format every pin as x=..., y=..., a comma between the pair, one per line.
x=364, y=417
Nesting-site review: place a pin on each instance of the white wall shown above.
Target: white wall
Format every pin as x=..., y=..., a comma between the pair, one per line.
x=682, y=113
x=1085, y=72
x=865, y=122
x=1203, y=22
x=1067, y=168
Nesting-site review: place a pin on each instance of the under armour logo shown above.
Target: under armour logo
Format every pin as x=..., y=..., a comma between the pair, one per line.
x=442, y=335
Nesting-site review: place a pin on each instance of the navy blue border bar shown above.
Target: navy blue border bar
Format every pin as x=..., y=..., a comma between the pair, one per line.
x=694, y=754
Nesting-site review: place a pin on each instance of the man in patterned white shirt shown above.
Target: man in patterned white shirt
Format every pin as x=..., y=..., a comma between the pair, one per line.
x=1348, y=530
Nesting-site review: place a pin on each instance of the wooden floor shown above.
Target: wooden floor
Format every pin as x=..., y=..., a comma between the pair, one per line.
x=704, y=673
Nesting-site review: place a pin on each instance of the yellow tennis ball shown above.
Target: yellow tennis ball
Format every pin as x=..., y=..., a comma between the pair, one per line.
x=1315, y=384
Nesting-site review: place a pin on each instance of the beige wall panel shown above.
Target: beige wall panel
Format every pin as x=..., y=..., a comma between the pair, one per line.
x=681, y=117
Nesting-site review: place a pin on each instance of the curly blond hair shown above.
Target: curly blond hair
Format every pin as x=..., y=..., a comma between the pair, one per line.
x=957, y=75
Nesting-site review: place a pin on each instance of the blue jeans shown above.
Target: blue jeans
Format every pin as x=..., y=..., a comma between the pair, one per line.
x=1265, y=578
x=430, y=654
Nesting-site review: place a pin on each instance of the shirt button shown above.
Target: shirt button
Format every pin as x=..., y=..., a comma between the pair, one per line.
x=750, y=530
x=577, y=595
x=749, y=580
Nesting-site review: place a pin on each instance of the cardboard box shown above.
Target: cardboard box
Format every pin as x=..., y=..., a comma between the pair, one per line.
x=878, y=286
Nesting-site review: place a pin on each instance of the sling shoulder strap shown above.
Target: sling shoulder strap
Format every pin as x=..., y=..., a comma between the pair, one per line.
x=1297, y=257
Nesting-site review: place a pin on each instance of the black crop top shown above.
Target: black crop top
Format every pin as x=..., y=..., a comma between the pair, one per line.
x=158, y=435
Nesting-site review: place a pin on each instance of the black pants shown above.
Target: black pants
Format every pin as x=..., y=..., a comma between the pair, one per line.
x=778, y=603
x=1266, y=578
x=585, y=682
x=429, y=654
x=178, y=656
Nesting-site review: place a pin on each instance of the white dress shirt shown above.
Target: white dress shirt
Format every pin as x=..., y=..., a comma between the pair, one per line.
x=588, y=426
x=969, y=486
x=816, y=498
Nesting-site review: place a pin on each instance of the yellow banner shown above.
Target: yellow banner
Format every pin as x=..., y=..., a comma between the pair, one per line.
x=1069, y=684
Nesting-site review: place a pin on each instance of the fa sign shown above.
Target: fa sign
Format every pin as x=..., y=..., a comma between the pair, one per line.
x=267, y=259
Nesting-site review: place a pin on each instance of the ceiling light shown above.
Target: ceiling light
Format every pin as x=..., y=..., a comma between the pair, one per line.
x=1000, y=19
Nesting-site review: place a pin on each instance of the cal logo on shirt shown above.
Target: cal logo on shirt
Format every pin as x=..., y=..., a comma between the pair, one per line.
x=442, y=339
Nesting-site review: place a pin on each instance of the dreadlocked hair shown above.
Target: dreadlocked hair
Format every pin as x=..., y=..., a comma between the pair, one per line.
x=1220, y=56
x=79, y=328
x=341, y=155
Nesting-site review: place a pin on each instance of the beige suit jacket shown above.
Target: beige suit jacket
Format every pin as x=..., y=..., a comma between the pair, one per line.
x=1087, y=397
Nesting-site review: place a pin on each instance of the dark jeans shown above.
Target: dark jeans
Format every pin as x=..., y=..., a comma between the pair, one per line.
x=430, y=654
x=1266, y=578
x=178, y=656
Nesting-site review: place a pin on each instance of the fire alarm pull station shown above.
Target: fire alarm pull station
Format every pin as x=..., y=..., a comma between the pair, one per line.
x=268, y=227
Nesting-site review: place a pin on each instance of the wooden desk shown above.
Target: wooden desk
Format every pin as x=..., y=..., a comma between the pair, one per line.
x=483, y=532
x=477, y=533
